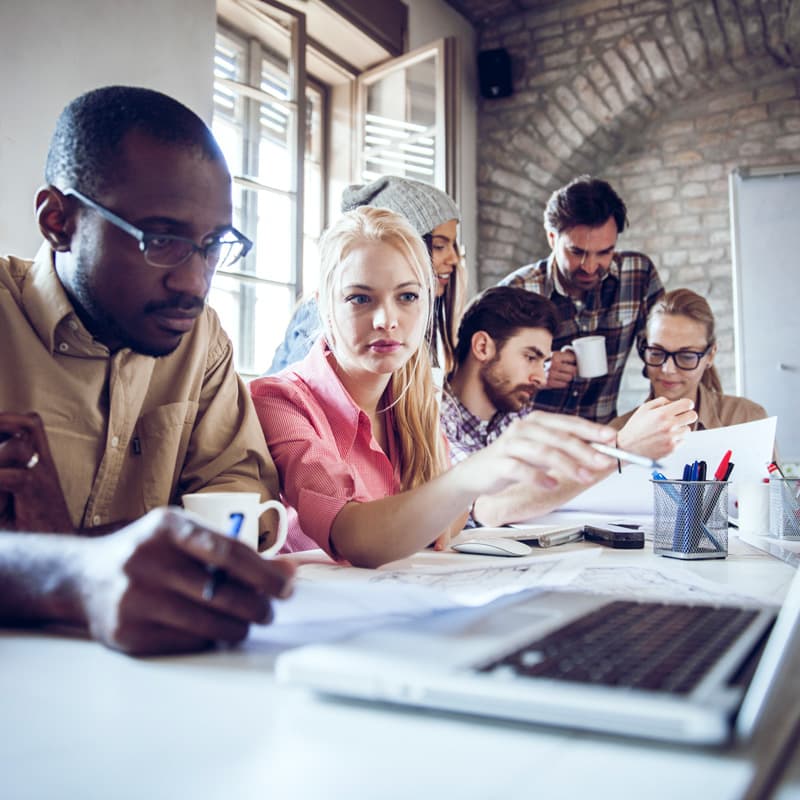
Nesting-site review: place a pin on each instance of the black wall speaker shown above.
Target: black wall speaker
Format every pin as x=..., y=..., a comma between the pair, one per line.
x=494, y=73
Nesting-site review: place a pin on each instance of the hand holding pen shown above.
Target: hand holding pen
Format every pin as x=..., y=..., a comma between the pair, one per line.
x=142, y=589
x=215, y=574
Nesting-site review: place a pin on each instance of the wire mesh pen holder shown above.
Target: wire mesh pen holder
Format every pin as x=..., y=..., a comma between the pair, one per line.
x=784, y=508
x=690, y=519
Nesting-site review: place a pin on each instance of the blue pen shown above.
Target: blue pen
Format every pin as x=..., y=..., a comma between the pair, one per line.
x=680, y=533
x=692, y=519
x=215, y=574
x=659, y=476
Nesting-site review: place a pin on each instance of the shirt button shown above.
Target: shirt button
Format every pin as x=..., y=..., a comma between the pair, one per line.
x=63, y=347
x=96, y=519
x=73, y=325
x=575, y=393
x=114, y=441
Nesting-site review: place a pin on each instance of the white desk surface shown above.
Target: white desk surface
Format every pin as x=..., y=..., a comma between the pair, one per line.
x=80, y=721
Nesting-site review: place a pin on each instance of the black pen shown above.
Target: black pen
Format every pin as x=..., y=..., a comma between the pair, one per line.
x=215, y=574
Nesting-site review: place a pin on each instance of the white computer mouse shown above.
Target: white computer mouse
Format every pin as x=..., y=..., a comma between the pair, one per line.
x=500, y=546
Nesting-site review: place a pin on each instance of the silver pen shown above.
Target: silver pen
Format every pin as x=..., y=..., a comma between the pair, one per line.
x=624, y=455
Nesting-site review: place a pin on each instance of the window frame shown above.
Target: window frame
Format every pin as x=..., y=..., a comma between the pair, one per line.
x=256, y=50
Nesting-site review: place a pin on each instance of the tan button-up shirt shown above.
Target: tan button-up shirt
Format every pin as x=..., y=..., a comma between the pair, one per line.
x=128, y=432
x=714, y=410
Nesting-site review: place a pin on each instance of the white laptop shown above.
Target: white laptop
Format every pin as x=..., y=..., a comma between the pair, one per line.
x=670, y=671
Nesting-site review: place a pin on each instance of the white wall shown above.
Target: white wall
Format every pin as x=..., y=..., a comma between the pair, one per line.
x=434, y=19
x=53, y=50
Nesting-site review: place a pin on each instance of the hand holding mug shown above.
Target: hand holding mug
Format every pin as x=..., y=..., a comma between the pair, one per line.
x=562, y=369
x=590, y=354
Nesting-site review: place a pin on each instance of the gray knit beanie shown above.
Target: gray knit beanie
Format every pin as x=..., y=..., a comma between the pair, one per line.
x=423, y=205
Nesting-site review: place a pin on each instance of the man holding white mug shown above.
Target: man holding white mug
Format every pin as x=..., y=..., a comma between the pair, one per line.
x=597, y=291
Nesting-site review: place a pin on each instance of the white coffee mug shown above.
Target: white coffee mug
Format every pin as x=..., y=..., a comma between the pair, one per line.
x=590, y=352
x=753, y=503
x=216, y=508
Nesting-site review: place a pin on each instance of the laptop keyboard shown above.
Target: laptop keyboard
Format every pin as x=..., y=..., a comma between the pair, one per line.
x=641, y=645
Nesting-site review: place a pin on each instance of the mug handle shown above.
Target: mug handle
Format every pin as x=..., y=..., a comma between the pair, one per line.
x=283, y=526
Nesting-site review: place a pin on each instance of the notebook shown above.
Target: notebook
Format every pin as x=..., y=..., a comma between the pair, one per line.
x=669, y=671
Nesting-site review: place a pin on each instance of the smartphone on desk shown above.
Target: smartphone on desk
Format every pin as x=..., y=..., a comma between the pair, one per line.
x=534, y=535
x=551, y=538
x=622, y=537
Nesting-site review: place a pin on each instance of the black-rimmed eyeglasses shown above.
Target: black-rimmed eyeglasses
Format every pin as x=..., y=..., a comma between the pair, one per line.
x=684, y=359
x=166, y=251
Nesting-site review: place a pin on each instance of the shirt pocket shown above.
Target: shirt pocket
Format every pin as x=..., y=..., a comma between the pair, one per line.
x=164, y=435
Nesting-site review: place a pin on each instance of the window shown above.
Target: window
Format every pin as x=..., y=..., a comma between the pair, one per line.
x=274, y=122
x=278, y=185
x=406, y=122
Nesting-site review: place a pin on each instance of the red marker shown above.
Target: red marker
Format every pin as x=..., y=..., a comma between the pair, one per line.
x=722, y=469
x=773, y=468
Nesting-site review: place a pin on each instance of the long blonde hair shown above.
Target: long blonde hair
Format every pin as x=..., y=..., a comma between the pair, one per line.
x=686, y=303
x=419, y=441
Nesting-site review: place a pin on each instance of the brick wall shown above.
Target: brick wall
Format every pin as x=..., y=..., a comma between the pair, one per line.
x=663, y=99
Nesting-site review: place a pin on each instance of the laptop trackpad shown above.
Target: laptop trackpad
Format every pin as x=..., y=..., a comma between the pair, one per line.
x=508, y=624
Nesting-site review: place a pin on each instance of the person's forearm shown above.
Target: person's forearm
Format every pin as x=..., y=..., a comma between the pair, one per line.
x=374, y=533
x=523, y=501
x=38, y=579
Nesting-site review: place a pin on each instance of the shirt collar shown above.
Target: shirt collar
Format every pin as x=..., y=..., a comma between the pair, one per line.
x=344, y=414
x=51, y=313
x=465, y=416
x=553, y=281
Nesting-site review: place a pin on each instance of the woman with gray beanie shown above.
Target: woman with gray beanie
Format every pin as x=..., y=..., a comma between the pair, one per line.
x=435, y=217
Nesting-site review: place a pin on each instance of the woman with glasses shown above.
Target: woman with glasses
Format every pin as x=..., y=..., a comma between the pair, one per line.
x=678, y=354
x=353, y=428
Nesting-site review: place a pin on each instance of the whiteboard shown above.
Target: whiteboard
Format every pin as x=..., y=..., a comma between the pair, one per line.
x=765, y=226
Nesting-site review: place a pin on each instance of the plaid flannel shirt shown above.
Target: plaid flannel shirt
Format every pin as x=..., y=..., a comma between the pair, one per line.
x=466, y=433
x=616, y=309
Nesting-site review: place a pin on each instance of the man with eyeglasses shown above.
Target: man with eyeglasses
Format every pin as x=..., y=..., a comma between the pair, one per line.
x=596, y=289
x=119, y=392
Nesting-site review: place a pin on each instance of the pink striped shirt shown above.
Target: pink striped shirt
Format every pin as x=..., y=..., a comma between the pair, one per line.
x=323, y=447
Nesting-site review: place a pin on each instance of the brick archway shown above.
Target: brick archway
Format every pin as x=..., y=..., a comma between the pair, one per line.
x=586, y=87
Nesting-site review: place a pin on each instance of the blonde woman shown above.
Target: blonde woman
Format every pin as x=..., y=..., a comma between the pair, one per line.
x=435, y=217
x=678, y=354
x=354, y=429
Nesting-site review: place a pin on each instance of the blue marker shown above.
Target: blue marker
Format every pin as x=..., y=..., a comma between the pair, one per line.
x=215, y=574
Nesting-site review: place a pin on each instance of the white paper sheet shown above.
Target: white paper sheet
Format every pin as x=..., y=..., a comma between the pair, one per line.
x=331, y=601
x=424, y=582
x=631, y=492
